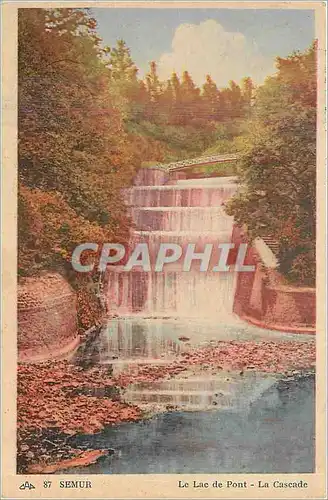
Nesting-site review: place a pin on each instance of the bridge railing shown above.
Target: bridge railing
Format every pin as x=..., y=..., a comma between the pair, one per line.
x=202, y=160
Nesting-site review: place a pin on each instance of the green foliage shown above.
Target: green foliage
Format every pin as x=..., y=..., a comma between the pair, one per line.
x=172, y=142
x=86, y=122
x=222, y=169
x=74, y=155
x=277, y=169
x=71, y=140
x=174, y=118
x=229, y=137
x=122, y=68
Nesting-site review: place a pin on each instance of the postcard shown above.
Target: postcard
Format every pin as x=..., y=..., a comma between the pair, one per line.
x=164, y=250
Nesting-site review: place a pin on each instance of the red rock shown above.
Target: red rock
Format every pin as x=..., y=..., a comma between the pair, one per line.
x=84, y=458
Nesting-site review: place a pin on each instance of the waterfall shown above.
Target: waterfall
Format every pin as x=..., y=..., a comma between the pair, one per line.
x=171, y=294
x=180, y=195
x=196, y=219
x=157, y=316
x=189, y=211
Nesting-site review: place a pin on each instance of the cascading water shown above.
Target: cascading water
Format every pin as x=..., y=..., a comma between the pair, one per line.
x=157, y=315
x=180, y=195
x=152, y=311
x=174, y=294
x=187, y=212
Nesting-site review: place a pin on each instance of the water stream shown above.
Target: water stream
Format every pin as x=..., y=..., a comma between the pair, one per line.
x=220, y=423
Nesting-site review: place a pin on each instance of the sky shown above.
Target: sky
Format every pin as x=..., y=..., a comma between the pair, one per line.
x=228, y=44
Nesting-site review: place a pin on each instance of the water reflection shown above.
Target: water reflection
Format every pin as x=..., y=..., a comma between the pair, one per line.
x=225, y=391
x=274, y=435
x=132, y=339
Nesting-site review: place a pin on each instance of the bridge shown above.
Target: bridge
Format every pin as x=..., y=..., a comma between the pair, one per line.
x=178, y=166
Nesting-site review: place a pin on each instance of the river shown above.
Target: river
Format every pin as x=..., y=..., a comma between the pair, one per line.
x=276, y=435
x=220, y=422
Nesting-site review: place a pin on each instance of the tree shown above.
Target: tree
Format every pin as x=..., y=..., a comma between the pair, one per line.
x=124, y=85
x=235, y=100
x=190, y=101
x=176, y=105
x=278, y=166
x=71, y=138
x=210, y=99
x=166, y=100
x=176, y=86
x=247, y=90
x=153, y=83
x=120, y=63
x=154, y=90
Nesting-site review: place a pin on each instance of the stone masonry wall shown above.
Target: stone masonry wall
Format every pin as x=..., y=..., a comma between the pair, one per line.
x=47, y=318
x=263, y=299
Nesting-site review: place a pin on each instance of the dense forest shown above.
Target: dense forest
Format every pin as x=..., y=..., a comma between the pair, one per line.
x=88, y=122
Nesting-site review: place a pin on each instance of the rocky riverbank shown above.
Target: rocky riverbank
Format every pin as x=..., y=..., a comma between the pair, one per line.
x=58, y=400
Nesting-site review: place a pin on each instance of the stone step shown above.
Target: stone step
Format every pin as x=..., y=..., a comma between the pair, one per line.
x=151, y=176
x=224, y=383
x=271, y=243
x=179, y=195
x=231, y=392
x=198, y=219
x=172, y=294
x=193, y=400
x=136, y=361
x=183, y=238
